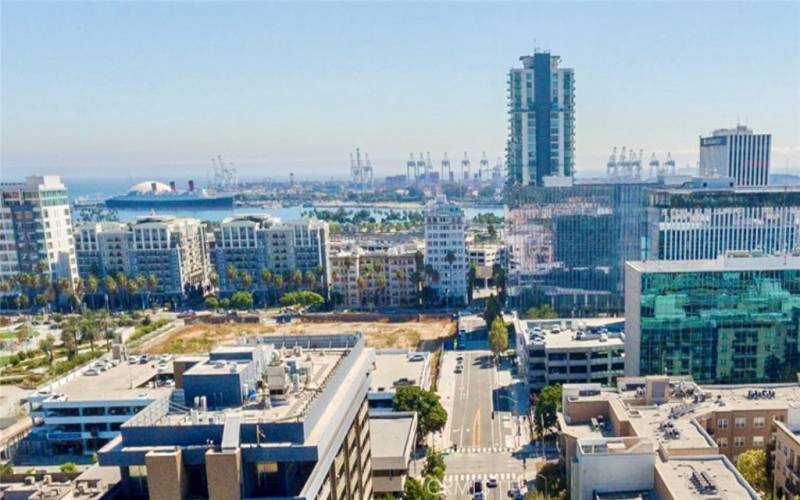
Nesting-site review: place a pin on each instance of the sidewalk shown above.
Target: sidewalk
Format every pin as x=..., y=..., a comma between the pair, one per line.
x=446, y=388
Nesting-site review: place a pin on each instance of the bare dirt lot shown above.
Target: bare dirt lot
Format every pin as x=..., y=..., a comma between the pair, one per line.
x=201, y=337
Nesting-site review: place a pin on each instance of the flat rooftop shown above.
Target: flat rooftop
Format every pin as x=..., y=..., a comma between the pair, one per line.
x=320, y=365
x=673, y=424
x=217, y=367
x=723, y=263
x=124, y=381
x=393, y=365
x=727, y=483
x=393, y=435
x=571, y=339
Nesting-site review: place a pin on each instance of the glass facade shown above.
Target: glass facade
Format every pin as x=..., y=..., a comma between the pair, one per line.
x=568, y=245
x=720, y=326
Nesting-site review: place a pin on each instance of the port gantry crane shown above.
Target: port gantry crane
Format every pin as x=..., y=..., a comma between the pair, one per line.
x=466, y=168
x=446, y=166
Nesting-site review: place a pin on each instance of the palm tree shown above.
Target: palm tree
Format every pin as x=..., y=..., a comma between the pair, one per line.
x=266, y=280
x=361, y=283
x=277, y=279
x=297, y=278
x=400, y=274
x=380, y=285
x=245, y=279
x=92, y=284
x=110, y=287
x=89, y=330
x=152, y=286
x=122, y=284
x=104, y=322
x=131, y=287
x=310, y=279
x=231, y=273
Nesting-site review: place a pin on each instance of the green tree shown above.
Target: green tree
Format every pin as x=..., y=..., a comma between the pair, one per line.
x=242, y=300
x=302, y=298
x=545, y=311
x=6, y=469
x=46, y=345
x=491, y=310
x=211, y=302
x=68, y=467
x=434, y=464
x=431, y=414
x=753, y=466
x=548, y=404
x=246, y=280
x=498, y=336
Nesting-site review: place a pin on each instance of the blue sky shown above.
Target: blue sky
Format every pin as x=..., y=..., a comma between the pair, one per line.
x=137, y=89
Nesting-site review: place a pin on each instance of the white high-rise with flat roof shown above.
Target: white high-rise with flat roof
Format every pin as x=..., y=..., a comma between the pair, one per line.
x=446, y=250
x=36, y=229
x=737, y=153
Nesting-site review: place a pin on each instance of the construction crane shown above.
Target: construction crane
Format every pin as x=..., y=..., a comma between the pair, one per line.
x=466, y=168
x=446, y=166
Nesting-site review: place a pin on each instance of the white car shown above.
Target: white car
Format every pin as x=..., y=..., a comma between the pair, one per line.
x=492, y=482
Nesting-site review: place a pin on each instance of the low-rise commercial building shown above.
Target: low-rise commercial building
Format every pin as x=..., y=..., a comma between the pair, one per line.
x=392, y=448
x=396, y=368
x=659, y=423
x=273, y=417
x=728, y=320
x=560, y=351
x=84, y=412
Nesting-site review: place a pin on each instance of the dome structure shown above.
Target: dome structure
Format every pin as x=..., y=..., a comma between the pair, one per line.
x=146, y=187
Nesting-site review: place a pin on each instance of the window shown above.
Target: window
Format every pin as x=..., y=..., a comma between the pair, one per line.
x=758, y=441
x=722, y=442
x=722, y=423
x=740, y=422
x=738, y=441
x=759, y=422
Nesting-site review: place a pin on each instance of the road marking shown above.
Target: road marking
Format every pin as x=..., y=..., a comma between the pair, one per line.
x=476, y=425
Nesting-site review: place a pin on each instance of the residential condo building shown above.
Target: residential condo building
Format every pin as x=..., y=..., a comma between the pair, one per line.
x=446, y=250
x=378, y=278
x=728, y=320
x=36, y=228
x=737, y=153
x=541, y=116
x=252, y=243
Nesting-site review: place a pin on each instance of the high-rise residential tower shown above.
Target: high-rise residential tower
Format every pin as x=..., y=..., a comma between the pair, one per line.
x=446, y=250
x=736, y=153
x=36, y=229
x=541, y=115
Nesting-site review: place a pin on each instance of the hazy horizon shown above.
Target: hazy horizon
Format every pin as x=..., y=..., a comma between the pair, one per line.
x=134, y=90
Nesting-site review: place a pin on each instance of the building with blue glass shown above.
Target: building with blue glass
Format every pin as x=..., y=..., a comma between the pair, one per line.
x=734, y=319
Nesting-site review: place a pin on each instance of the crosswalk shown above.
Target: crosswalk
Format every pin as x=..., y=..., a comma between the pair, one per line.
x=501, y=476
x=475, y=449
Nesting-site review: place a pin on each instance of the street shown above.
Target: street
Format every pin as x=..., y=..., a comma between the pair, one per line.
x=487, y=432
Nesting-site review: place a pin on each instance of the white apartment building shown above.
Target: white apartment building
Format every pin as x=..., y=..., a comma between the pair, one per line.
x=737, y=153
x=446, y=250
x=35, y=227
x=560, y=351
x=172, y=248
x=386, y=276
x=102, y=248
x=299, y=244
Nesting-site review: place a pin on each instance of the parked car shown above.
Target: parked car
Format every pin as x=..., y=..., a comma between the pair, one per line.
x=492, y=482
x=416, y=356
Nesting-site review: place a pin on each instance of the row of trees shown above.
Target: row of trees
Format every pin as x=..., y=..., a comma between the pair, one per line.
x=270, y=284
x=39, y=289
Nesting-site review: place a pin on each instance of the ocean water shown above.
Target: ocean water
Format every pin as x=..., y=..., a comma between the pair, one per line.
x=105, y=188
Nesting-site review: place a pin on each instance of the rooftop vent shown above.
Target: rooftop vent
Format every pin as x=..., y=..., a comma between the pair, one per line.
x=703, y=483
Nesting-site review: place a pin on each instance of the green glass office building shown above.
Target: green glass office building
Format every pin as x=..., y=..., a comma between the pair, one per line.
x=735, y=319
